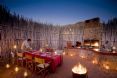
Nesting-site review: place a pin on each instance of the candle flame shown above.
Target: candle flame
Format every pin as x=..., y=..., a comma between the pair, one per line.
x=79, y=69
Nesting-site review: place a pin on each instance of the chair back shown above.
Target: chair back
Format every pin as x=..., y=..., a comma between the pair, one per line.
x=19, y=54
x=28, y=56
x=39, y=60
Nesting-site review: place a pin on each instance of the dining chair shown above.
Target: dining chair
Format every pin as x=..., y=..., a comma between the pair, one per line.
x=41, y=67
x=29, y=61
x=20, y=59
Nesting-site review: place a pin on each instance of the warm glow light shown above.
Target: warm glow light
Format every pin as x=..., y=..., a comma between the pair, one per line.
x=114, y=48
x=87, y=44
x=78, y=47
x=96, y=44
x=95, y=61
x=25, y=74
x=63, y=53
x=71, y=54
x=16, y=69
x=82, y=56
x=14, y=46
x=7, y=66
x=106, y=66
x=114, y=52
x=41, y=50
x=55, y=52
x=79, y=69
x=96, y=49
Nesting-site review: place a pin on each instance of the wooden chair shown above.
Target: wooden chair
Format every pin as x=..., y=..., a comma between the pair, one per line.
x=29, y=61
x=20, y=59
x=41, y=67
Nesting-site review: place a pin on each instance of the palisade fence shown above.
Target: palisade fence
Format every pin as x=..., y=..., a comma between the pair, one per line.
x=14, y=29
x=55, y=36
x=109, y=33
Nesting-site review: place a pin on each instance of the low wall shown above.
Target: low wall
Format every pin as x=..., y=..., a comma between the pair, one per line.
x=106, y=60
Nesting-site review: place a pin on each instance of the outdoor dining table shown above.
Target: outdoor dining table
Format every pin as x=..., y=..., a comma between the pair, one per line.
x=56, y=59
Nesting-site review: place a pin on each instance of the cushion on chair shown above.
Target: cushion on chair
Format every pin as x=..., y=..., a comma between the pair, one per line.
x=43, y=65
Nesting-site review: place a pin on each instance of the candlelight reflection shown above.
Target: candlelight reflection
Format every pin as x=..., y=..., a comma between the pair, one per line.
x=95, y=61
x=106, y=66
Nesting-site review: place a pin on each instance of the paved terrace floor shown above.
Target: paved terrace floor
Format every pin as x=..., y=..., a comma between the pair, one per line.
x=63, y=71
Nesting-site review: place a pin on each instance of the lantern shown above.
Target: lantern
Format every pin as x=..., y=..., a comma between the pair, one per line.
x=7, y=66
x=25, y=74
x=14, y=46
x=95, y=61
x=16, y=69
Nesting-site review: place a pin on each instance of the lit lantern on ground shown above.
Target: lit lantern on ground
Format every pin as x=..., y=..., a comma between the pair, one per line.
x=25, y=74
x=95, y=61
x=16, y=69
x=14, y=46
x=7, y=66
x=79, y=71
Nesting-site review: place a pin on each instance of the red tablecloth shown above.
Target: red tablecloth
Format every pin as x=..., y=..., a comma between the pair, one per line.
x=54, y=58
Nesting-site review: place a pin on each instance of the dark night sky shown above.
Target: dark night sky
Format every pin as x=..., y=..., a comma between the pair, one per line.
x=63, y=11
